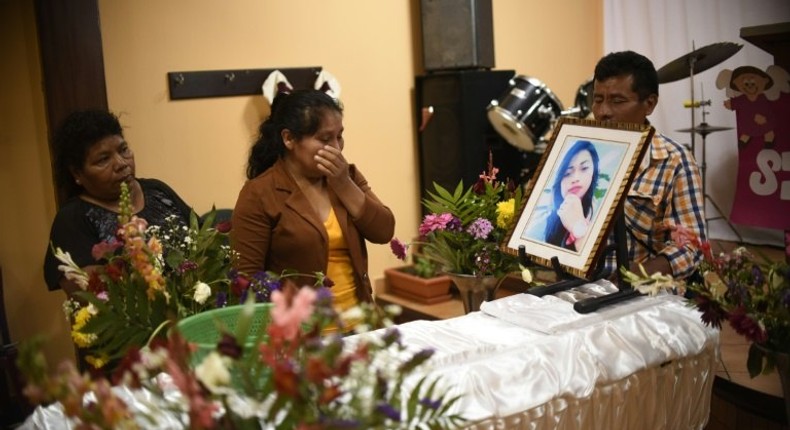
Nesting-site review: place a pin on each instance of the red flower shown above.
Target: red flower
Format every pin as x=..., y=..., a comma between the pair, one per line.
x=712, y=312
x=746, y=326
x=286, y=381
x=317, y=370
x=239, y=285
x=223, y=226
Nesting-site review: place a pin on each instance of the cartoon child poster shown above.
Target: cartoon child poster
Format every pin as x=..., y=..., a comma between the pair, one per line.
x=761, y=102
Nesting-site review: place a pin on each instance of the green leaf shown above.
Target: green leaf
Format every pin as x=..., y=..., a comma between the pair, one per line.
x=755, y=360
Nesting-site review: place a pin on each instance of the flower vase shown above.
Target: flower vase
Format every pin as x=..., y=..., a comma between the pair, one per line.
x=475, y=289
x=782, y=363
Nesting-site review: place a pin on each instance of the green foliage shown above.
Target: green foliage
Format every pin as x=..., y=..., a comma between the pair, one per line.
x=424, y=268
x=449, y=230
x=151, y=277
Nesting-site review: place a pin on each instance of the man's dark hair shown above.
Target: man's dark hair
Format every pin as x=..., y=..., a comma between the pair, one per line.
x=629, y=63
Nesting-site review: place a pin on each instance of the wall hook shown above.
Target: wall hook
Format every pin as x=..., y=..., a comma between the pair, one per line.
x=179, y=79
x=230, y=77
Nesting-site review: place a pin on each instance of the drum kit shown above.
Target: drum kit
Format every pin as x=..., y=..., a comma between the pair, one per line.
x=528, y=109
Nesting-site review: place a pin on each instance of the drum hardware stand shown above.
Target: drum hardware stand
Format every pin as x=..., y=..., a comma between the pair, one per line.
x=568, y=281
x=704, y=130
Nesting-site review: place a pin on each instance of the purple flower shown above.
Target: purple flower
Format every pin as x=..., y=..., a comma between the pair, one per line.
x=757, y=275
x=480, y=228
x=432, y=404
x=387, y=410
x=454, y=225
x=399, y=249
x=483, y=261
x=323, y=294
x=222, y=299
x=417, y=359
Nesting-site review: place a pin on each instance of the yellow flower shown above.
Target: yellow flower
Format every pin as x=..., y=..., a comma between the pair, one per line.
x=715, y=284
x=80, y=319
x=504, y=213
x=97, y=362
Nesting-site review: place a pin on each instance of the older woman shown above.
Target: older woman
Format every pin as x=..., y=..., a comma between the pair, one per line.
x=92, y=160
x=304, y=206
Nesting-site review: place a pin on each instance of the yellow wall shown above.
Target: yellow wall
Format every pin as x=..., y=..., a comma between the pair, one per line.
x=199, y=146
x=25, y=183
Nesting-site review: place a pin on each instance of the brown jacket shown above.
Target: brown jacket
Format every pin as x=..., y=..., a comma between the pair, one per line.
x=275, y=228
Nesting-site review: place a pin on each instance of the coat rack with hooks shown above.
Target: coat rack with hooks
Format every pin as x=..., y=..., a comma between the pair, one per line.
x=239, y=82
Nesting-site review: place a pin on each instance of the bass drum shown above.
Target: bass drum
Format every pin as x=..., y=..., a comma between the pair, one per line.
x=525, y=112
x=584, y=100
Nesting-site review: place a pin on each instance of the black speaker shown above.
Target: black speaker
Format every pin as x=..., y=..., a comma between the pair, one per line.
x=457, y=34
x=455, y=143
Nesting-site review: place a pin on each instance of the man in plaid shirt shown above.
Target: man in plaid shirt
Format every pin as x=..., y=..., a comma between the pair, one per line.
x=667, y=189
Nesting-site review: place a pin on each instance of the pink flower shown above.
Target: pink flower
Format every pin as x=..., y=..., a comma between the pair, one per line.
x=289, y=318
x=433, y=222
x=105, y=249
x=683, y=235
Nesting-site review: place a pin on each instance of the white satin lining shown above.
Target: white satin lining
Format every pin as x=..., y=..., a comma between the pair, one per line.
x=644, y=365
x=503, y=370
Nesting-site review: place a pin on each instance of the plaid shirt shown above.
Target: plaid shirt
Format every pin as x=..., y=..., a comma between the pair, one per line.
x=667, y=190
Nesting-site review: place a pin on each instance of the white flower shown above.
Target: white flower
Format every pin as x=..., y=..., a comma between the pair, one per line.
x=526, y=274
x=649, y=284
x=354, y=313
x=70, y=270
x=213, y=372
x=202, y=292
x=393, y=310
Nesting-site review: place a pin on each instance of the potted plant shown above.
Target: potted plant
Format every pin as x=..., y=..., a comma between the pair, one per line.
x=420, y=282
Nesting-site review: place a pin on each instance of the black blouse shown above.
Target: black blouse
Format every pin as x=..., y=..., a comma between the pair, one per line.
x=79, y=225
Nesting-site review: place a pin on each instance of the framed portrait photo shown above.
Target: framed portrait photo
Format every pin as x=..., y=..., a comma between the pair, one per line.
x=578, y=188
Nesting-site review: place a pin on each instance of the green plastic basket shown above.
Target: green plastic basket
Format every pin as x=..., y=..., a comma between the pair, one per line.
x=205, y=329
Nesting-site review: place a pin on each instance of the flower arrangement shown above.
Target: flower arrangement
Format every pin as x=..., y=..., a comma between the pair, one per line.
x=753, y=297
x=151, y=277
x=463, y=232
x=292, y=378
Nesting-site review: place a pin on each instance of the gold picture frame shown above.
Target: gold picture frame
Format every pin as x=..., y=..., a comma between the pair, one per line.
x=612, y=152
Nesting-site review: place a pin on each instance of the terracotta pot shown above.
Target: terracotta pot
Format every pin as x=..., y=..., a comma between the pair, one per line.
x=475, y=289
x=402, y=282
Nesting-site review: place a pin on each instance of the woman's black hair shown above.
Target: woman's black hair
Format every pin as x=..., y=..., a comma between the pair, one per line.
x=78, y=132
x=299, y=112
x=555, y=231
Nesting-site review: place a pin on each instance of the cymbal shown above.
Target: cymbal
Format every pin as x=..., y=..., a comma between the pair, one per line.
x=703, y=58
x=704, y=129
